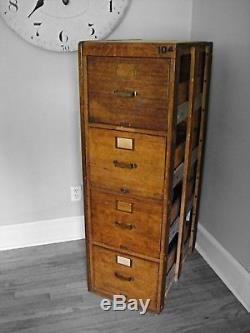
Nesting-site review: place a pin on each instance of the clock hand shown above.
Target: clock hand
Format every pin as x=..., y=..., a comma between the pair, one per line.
x=39, y=4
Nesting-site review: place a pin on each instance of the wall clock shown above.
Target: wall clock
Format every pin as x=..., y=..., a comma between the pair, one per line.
x=59, y=25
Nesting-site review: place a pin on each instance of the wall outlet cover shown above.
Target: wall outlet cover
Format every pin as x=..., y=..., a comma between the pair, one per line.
x=76, y=193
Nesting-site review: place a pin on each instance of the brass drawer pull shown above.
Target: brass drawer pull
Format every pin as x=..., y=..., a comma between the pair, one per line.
x=121, y=225
x=124, y=165
x=124, y=278
x=125, y=93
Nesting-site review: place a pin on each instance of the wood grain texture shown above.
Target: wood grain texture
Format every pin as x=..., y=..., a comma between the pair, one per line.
x=44, y=290
x=138, y=230
x=187, y=160
x=168, y=177
x=128, y=92
x=140, y=143
x=129, y=49
x=137, y=48
x=144, y=179
x=82, y=61
x=128, y=129
x=138, y=281
x=202, y=133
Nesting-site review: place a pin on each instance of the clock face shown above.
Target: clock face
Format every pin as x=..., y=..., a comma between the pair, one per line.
x=59, y=25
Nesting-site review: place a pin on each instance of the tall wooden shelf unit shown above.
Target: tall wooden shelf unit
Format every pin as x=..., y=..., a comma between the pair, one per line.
x=143, y=116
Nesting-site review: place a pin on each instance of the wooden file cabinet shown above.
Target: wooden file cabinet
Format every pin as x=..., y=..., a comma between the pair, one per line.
x=143, y=114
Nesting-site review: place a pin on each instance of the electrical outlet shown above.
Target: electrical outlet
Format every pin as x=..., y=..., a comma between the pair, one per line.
x=76, y=193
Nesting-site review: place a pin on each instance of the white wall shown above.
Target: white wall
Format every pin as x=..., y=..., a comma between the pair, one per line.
x=39, y=114
x=160, y=19
x=39, y=131
x=226, y=184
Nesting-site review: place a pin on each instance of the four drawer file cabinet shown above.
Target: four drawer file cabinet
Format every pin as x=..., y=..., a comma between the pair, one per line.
x=143, y=114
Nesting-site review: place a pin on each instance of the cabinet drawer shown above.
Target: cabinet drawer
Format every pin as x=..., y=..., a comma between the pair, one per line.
x=125, y=223
x=128, y=92
x=115, y=273
x=126, y=162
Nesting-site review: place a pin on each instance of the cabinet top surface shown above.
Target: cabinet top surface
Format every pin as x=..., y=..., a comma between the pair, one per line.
x=137, y=47
x=145, y=41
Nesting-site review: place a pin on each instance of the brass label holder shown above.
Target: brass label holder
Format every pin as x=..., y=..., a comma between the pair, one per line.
x=124, y=143
x=124, y=206
x=124, y=261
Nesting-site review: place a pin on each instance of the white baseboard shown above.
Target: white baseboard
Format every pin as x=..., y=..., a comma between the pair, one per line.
x=231, y=272
x=41, y=232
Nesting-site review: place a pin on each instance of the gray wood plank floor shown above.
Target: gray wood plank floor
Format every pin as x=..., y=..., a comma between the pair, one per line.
x=43, y=290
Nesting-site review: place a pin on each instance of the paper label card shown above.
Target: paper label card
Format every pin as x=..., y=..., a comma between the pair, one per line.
x=123, y=261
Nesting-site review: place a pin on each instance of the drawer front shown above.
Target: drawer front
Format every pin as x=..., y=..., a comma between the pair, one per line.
x=128, y=92
x=126, y=162
x=128, y=224
x=116, y=273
